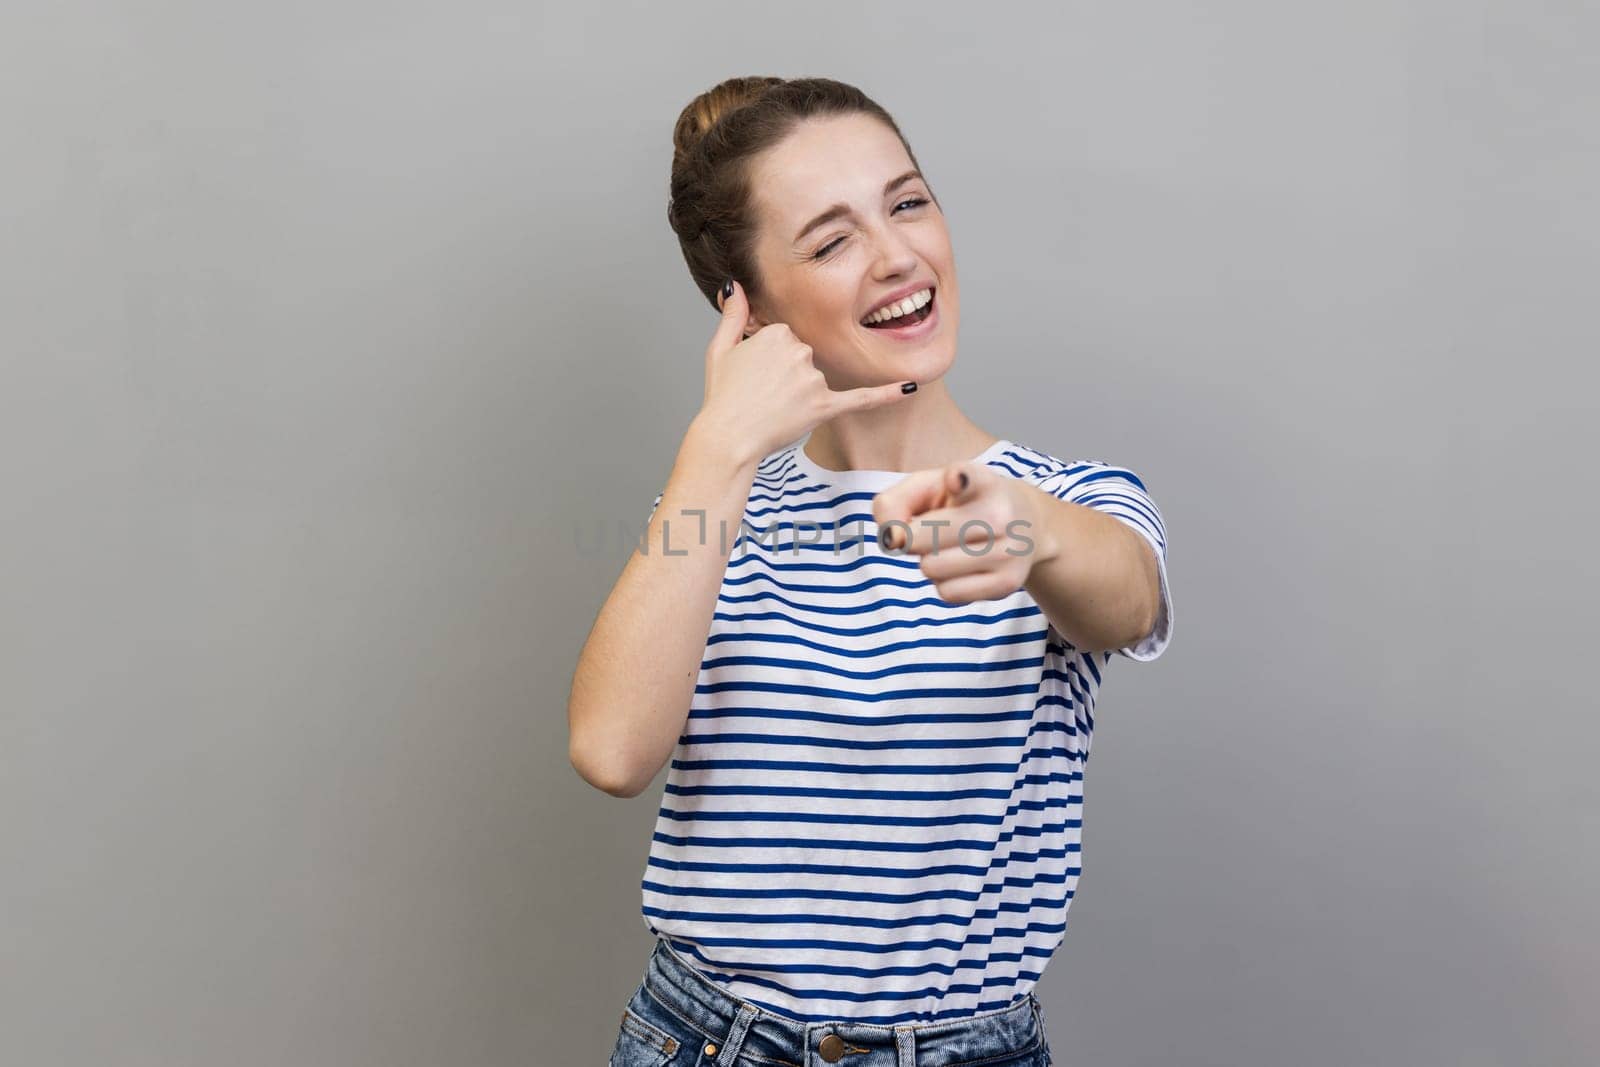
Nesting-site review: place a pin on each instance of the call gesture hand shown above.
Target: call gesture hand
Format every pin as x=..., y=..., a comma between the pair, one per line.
x=976, y=531
x=764, y=391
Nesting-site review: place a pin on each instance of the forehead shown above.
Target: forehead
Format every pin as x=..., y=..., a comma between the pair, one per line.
x=844, y=158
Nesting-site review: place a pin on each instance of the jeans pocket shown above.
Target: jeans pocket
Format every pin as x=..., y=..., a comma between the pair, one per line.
x=640, y=1043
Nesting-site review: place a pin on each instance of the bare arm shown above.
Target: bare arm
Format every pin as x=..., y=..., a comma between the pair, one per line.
x=1093, y=576
x=636, y=674
x=635, y=679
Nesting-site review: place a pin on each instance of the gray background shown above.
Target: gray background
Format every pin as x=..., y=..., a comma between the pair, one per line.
x=325, y=326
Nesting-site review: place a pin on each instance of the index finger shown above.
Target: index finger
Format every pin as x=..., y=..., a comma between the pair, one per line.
x=916, y=493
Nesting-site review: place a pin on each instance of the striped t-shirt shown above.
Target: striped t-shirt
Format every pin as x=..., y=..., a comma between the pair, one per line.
x=874, y=812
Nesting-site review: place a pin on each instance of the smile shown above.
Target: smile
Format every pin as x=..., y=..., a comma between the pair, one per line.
x=906, y=319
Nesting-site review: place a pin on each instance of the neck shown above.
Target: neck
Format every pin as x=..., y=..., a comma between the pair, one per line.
x=925, y=430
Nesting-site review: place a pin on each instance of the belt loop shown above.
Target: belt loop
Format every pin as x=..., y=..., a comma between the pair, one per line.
x=734, y=1042
x=905, y=1043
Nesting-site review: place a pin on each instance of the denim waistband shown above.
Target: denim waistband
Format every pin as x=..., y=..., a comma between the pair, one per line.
x=679, y=986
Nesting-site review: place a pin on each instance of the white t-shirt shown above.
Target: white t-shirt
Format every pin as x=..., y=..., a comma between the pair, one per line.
x=874, y=812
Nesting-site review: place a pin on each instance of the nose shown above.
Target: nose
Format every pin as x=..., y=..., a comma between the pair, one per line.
x=893, y=255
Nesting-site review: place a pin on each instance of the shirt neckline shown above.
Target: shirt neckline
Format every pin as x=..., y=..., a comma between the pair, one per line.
x=862, y=478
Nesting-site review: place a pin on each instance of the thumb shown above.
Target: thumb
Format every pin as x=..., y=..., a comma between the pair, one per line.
x=735, y=315
x=960, y=483
x=957, y=485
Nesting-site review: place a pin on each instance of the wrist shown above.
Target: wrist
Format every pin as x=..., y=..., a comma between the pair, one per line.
x=1036, y=510
x=713, y=443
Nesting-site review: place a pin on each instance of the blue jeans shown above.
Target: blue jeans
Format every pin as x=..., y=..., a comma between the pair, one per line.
x=679, y=1018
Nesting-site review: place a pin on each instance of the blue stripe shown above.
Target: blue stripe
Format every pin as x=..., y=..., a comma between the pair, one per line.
x=848, y=694
x=839, y=793
x=997, y=641
x=1030, y=612
x=946, y=770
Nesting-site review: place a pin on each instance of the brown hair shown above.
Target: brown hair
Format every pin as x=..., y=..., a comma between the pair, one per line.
x=715, y=142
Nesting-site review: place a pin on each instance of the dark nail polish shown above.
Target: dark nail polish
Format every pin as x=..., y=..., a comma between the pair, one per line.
x=909, y=387
x=963, y=479
x=727, y=288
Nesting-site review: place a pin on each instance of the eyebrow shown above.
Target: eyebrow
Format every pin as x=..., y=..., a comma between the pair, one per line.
x=843, y=209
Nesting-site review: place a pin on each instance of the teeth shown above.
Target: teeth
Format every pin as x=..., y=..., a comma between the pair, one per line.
x=904, y=307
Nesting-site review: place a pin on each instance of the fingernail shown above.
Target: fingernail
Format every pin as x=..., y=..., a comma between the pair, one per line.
x=727, y=288
x=963, y=479
x=909, y=387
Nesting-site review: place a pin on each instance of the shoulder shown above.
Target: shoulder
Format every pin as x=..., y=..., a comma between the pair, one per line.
x=1054, y=473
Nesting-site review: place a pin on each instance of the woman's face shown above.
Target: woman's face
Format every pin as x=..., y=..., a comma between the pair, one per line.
x=823, y=280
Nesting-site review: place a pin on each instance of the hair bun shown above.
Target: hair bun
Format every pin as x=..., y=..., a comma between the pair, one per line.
x=704, y=111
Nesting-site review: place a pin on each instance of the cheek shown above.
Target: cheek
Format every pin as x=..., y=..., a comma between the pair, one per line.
x=836, y=314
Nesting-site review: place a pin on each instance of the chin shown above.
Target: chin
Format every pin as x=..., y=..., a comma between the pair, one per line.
x=922, y=364
x=940, y=360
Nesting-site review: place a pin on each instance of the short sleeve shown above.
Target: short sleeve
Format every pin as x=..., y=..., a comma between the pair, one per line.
x=1120, y=493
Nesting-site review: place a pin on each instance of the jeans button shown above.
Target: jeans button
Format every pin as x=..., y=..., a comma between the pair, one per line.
x=831, y=1048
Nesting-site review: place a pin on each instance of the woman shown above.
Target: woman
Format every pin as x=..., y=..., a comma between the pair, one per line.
x=870, y=831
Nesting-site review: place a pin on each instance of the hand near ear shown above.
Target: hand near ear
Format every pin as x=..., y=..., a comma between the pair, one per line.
x=974, y=529
x=763, y=391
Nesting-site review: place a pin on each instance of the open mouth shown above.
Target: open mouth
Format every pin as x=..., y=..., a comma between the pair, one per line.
x=909, y=319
